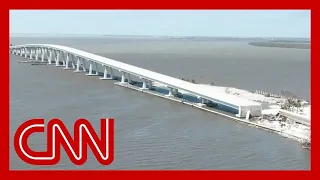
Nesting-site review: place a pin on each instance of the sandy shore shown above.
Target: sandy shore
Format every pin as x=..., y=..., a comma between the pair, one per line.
x=271, y=107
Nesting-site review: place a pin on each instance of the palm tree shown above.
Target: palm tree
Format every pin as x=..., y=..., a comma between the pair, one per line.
x=298, y=104
x=290, y=103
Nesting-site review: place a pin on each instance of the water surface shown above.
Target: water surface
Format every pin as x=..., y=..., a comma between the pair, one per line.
x=155, y=133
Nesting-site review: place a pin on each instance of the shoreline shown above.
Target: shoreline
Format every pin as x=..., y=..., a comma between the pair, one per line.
x=265, y=125
x=279, y=44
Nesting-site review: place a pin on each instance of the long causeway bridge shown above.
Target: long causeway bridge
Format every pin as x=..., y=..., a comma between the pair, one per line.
x=82, y=61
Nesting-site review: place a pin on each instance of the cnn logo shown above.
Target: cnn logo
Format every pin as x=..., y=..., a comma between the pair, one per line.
x=58, y=135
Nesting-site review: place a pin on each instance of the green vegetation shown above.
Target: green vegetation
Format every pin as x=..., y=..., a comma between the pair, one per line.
x=282, y=44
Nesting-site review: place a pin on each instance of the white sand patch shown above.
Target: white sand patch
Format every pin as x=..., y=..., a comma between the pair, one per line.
x=272, y=108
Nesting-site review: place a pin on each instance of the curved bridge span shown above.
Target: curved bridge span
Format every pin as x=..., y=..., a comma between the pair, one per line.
x=71, y=58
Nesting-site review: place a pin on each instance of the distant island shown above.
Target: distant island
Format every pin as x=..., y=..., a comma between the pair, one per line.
x=283, y=44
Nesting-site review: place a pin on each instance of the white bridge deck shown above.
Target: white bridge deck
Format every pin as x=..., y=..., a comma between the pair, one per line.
x=206, y=93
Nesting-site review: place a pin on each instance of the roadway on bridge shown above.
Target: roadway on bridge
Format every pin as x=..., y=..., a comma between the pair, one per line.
x=208, y=93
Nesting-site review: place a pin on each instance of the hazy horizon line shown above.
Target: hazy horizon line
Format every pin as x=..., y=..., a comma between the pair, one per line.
x=62, y=34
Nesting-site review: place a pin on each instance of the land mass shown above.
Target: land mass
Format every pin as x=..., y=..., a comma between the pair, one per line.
x=283, y=44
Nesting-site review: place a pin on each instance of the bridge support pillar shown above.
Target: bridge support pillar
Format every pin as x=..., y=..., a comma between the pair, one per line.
x=123, y=78
x=176, y=91
x=111, y=73
x=50, y=57
x=144, y=84
x=77, y=66
x=96, y=68
x=30, y=53
x=83, y=65
x=149, y=83
x=39, y=51
x=36, y=54
x=67, y=62
x=46, y=52
x=90, y=70
x=25, y=52
x=63, y=60
x=129, y=78
x=240, y=112
x=58, y=59
x=72, y=62
x=42, y=54
x=170, y=92
x=203, y=101
x=105, y=74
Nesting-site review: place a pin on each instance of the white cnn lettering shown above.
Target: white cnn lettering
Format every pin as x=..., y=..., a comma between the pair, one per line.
x=55, y=128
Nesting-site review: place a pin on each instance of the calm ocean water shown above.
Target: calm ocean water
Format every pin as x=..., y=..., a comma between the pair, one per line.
x=154, y=133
